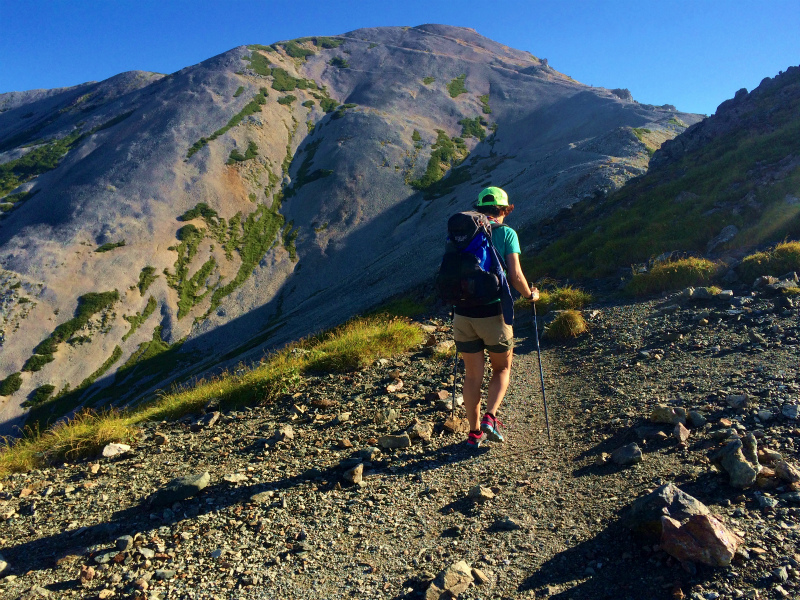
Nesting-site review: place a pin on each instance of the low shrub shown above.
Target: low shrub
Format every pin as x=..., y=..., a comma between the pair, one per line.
x=287, y=99
x=428, y=80
x=568, y=324
x=674, y=275
x=37, y=361
x=456, y=87
x=782, y=259
x=110, y=246
x=339, y=62
x=10, y=384
x=40, y=395
x=239, y=91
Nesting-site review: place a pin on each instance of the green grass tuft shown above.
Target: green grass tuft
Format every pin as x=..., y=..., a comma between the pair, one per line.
x=782, y=259
x=674, y=275
x=428, y=80
x=558, y=298
x=568, y=324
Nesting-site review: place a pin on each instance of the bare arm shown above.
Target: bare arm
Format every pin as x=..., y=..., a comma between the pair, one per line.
x=517, y=278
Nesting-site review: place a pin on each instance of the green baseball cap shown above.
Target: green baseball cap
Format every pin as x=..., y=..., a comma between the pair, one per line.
x=492, y=196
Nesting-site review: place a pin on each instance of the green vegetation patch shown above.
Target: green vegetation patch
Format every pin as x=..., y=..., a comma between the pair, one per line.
x=328, y=104
x=304, y=173
x=146, y=277
x=236, y=156
x=327, y=43
x=110, y=246
x=88, y=305
x=287, y=99
x=39, y=160
x=259, y=63
x=239, y=91
x=473, y=128
x=339, y=112
x=484, y=100
x=259, y=233
x=783, y=258
x=283, y=82
x=445, y=153
x=40, y=395
x=200, y=210
x=308, y=104
x=289, y=237
x=674, y=275
x=250, y=108
x=428, y=80
x=37, y=361
x=339, y=62
x=10, y=384
x=137, y=319
x=456, y=87
x=295, y=50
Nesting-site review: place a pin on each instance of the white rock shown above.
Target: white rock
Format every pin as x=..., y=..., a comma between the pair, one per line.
x=115, y=449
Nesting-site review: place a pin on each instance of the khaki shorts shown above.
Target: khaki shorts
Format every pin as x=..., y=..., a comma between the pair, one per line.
x=475, y=334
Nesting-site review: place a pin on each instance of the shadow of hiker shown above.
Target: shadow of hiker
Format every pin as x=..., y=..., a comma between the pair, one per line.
x=147, y=518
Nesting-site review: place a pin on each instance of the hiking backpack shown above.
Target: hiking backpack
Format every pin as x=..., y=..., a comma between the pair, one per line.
x=468, y=275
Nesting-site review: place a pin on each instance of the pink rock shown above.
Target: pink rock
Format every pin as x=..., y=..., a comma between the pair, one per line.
x=681, y=433
x=701, y=538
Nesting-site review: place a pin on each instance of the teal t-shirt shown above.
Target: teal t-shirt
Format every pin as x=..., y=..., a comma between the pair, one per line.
x=505, y=241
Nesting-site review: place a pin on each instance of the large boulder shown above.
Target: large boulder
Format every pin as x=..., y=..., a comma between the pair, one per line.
x=702, y=539
x=667, y=500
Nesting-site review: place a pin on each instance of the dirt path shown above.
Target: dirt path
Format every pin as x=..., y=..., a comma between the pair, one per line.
x=278, y=519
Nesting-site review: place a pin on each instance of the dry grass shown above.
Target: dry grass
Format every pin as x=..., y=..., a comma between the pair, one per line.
x=782, y=259
x=557, y=298
x=351, y=346
x=674, y=275
x=568, y=324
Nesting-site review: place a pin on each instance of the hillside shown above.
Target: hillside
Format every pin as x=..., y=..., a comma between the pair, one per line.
x=726, y=186
x=157, y=226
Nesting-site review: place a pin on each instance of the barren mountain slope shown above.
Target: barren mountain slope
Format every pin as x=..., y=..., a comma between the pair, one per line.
x=317, y=166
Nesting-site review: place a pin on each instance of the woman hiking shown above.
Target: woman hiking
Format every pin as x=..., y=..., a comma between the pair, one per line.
x=480, y=328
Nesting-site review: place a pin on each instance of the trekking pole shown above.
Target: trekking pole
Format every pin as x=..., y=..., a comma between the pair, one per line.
x=455, y=377
x=541, y=371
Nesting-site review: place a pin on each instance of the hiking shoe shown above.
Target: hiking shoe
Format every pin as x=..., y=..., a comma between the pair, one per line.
x=474, y=439
x=490, y=426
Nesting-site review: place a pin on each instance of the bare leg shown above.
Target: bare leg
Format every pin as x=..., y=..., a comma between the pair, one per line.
x=501, y=375
x=474, y=366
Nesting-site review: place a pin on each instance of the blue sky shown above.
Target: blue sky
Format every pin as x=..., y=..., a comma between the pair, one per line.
x=693, y=53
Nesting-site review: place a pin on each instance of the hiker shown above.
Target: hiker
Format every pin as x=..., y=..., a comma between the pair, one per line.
x=479, y=328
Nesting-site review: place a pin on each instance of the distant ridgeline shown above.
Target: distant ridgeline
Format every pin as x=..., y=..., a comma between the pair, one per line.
x=155, y=228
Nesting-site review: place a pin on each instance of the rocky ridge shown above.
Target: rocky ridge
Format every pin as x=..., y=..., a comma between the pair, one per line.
x=354, y=486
